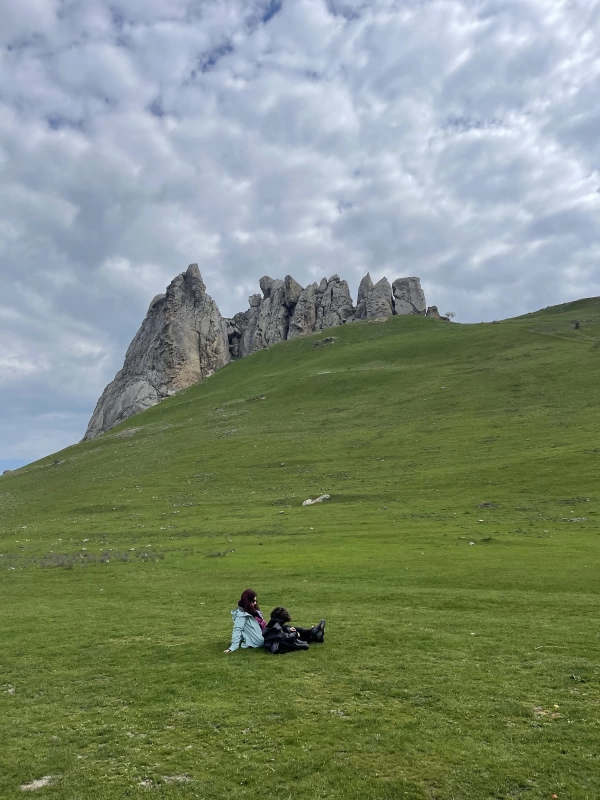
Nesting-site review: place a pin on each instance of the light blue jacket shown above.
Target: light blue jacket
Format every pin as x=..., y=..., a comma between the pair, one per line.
x=246, y=631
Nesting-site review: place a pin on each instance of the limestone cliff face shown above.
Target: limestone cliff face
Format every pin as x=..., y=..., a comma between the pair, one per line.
x=335, y=305
x=269, y=321
x=286, y=311
x=408, y=296
x=304, y=318
x=379, y=300
x=182, y=340
x=364, y=290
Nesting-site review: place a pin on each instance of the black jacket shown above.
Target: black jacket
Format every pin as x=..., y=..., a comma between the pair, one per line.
x=280, y=639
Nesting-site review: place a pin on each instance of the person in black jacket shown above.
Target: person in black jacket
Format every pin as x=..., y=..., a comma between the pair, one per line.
x=280, y=637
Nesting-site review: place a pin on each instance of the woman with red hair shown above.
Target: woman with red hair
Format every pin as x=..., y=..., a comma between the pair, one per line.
x=248, y=623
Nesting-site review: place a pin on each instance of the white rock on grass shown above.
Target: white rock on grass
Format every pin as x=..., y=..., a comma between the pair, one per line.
x=320, y=499
x=40, y=783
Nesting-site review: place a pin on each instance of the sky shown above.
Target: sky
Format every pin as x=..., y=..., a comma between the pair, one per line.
x=454, y=140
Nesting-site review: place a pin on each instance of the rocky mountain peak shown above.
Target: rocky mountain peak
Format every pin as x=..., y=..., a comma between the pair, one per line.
x=183, y=338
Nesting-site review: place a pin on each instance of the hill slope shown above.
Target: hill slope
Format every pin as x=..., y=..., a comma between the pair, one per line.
x=454, y=628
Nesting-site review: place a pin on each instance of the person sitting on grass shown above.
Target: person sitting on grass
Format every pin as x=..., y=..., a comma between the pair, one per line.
x=248, y=623
x=283, y=638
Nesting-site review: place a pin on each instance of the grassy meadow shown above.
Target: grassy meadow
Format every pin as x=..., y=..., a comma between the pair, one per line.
x=457, y=565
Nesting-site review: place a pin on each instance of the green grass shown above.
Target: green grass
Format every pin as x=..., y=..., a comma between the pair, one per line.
x=451, y=670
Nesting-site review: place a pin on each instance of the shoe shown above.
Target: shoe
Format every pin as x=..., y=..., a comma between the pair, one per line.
x=318, y=631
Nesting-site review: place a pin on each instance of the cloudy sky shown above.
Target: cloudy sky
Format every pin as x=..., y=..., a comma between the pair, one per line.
x=456, y=140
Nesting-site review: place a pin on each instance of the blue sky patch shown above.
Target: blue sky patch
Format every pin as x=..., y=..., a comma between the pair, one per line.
x=211, y=59
x=273, y=7
x=57, y=122
x=156, y=108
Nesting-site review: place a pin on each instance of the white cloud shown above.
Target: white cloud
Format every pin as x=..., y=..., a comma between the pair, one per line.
x=444, y=138
x=14, y=368
x=26, y=18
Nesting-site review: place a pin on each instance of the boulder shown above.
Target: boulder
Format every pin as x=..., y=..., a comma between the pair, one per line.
x=293, y=291
x=320, y=499
x=408, y=296
x=325, y=342
x=182, y=340
x=379, y=300
x=433, y=311
x=268, y=285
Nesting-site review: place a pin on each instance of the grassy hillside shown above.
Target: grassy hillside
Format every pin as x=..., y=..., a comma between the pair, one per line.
x=456, y=564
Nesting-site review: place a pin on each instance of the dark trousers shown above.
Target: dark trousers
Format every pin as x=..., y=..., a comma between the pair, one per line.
x=306, y=634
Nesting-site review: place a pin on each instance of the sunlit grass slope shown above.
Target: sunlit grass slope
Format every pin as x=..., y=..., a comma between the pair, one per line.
x=456, y=564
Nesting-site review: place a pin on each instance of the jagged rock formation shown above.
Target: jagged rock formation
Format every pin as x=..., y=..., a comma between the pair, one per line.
x=286, y=311
x=364, y=290
x=182, y=340
x=404, y=296
x=305, y=313
x=379, y=300
x=268, y=318
x=408, y=296
x=334, y=304
x=235, y=330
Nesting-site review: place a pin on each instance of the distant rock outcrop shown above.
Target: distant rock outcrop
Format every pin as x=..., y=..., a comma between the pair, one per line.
x=364, y=290
x=379, y=300
x=268, y=318
x=305, y=313
x=434, y=313
x=293, y=291
x=182, y=340
x=287, y=311
x=335, y=305
x=408, y=296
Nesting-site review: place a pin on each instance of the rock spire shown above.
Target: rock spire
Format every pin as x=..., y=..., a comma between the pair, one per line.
x=182, y=340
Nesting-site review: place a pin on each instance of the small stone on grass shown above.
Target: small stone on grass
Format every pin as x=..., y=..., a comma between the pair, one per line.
x=40, y=783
